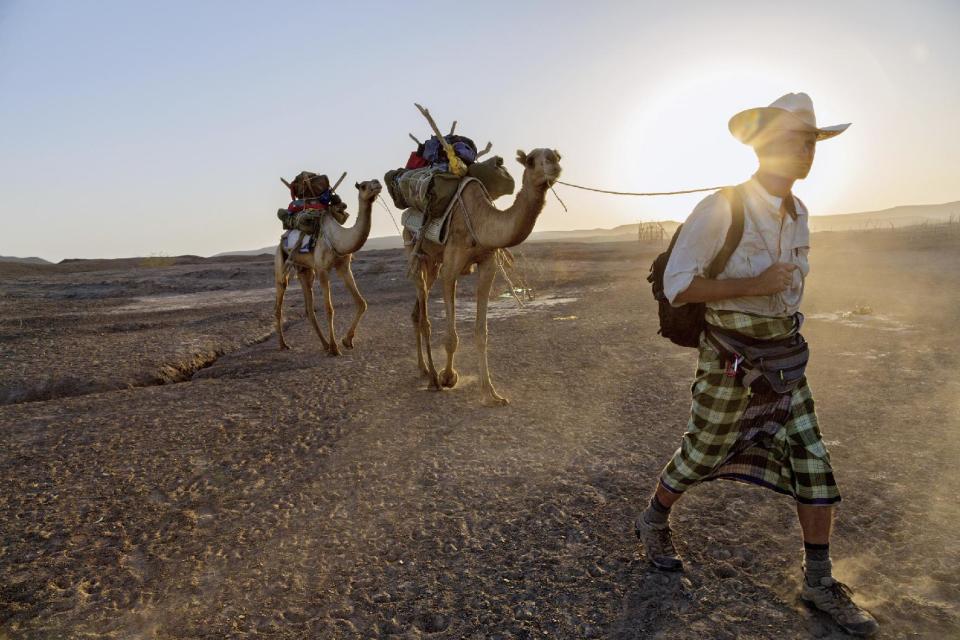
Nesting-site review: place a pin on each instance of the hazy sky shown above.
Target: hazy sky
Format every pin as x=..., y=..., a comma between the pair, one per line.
x=136, y=128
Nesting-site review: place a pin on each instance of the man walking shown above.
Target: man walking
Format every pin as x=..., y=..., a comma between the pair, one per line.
x=752, y=427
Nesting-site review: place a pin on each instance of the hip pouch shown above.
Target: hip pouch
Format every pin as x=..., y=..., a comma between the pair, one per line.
x=777, y=364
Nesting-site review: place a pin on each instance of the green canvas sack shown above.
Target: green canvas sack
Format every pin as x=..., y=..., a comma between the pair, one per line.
x=494, y=176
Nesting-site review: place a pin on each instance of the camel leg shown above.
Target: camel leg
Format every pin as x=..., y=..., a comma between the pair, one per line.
x=424, y=279
x=449, y=273
x=280, y=277
x=346, y=274
x=415, y=316
x=485, y=275
x=306, y=283
x=333, y=348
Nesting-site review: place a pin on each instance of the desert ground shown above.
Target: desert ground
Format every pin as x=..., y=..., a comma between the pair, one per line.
x=167, y=472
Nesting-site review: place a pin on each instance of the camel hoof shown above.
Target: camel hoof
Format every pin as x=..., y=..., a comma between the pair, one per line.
x=449, y=378
x=495, y=399
x=347, y=343
x=334, y=351
x=435, y=382
x=284, y=346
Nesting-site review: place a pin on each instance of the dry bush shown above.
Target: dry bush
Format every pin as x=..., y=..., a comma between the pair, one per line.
x=157, y=260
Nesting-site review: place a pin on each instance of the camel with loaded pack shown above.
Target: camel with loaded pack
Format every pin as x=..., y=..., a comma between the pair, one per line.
x=334, y=250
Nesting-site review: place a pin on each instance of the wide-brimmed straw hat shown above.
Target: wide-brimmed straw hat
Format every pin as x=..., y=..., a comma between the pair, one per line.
x=793, y=112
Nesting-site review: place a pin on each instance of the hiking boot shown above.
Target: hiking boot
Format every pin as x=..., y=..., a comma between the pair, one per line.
x=834, y=598
x=657, y=541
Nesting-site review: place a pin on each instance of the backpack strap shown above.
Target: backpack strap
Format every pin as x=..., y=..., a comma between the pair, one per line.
x=734, y=233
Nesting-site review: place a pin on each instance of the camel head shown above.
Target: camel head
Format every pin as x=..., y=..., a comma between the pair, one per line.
x=541, y=167
x=369, y=190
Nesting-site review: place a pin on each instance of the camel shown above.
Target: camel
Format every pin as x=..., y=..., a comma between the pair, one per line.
x=477, y=231
x=333, y=251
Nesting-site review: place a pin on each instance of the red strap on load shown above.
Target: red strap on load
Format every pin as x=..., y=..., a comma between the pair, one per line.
x=294, y=207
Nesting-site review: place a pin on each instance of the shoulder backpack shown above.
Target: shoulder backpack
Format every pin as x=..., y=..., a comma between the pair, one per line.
x=682, y=325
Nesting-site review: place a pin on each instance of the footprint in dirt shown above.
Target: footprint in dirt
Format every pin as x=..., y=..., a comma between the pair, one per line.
x=654, y=596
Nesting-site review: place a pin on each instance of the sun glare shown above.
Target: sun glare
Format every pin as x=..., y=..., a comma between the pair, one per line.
x=677, y=138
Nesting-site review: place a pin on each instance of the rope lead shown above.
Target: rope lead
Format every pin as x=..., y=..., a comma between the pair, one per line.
x=383, y=204
x=631, y=193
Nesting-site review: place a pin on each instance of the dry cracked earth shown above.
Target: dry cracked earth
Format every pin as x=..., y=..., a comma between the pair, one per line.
x=168, y=473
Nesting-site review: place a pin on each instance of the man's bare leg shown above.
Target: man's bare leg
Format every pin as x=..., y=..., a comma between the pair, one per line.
x=665, y=496
x=816, y=523
x=819, y=587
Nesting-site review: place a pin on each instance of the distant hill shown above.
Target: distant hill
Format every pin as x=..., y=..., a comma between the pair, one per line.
x=24, y=260
x=894, y=217
x=252, y=252
x=623, y=232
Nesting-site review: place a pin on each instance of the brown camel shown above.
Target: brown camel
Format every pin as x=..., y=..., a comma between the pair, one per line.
x=477, y=231
x=333, y=251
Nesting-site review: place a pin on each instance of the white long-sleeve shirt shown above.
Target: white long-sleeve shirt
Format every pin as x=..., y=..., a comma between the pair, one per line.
x=769, y=236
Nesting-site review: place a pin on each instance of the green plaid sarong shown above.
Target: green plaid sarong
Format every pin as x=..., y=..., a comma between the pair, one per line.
x=723, y=439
